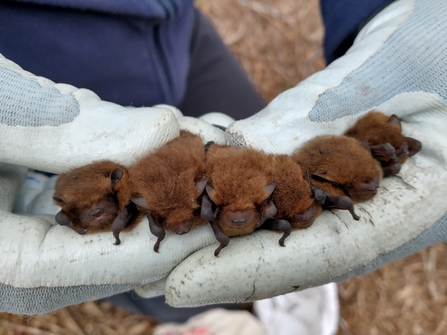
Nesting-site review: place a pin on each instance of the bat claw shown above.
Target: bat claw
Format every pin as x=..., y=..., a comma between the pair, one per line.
x=217, y=251
x=157, y=245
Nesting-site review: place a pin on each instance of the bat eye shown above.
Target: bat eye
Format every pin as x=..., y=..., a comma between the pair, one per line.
x=95, y=213
x=348, y=186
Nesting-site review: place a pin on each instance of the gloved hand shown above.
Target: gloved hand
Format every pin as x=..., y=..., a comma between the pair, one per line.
x=54, y=127
x=396, y=65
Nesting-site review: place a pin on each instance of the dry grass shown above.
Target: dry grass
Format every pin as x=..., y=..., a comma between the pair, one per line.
x=279, y=44
x=408, y=296
x=89, y=318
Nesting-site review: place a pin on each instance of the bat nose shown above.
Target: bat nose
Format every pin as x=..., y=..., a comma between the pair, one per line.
x=238, y=216
x=308, y=215
x=374, y=187
x=183, y=228
x=95, y=213
x=182, y=231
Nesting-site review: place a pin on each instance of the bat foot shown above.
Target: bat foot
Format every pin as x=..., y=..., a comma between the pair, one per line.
x=283, y=238
x=217, y=251
x=220, y=237
x=278, y=224
x=157, y=245
x=391, y=169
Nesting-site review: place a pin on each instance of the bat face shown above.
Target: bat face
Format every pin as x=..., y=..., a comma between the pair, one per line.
x=243, y=215
x=89, y=198
x=384, y=135
x=99, y=215
x=177, y=211
x=180, y=221
x=178, y=214
x=306, y=218
x=293, y=194
x=363, y=190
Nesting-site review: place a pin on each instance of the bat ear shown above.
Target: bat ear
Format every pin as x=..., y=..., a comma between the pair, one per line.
x=200, y=185
x=318, y=194
x=208, y=145
x=325, y=177
x=365, y=145
x=307, y=177
x=270, y=188
x=210, y=191
x=61, y=200
x=414, y=146
x=114, y=177
x=140, y=201
x=394, y=120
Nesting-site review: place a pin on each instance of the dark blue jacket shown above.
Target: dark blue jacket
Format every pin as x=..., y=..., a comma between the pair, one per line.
x=132, y=52
x=343, y=20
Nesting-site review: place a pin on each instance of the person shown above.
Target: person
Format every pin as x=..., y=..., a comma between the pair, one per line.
x=386, y=68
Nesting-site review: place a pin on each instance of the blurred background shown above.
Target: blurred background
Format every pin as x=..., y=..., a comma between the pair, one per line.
x=278, y=42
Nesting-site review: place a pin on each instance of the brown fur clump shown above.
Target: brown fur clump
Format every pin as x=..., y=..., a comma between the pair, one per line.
x=340, y=165
x=92, y=196
x=238, y=178
x=293, y=195
x=167, y=181
x=377, y=129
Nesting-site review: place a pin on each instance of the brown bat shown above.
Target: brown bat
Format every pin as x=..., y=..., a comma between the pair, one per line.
x=387, y=143
x=168, y=185
x=298, y=202
x=237, y=199
x=95, y=197
x=340, y=166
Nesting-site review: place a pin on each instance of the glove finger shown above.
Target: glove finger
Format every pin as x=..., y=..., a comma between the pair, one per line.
x=217, y=118
x=43, y=259
x=54, y=127
x=206, y=131
x=150, y=290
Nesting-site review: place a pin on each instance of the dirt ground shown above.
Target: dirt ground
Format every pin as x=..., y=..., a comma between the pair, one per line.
x=278, y=42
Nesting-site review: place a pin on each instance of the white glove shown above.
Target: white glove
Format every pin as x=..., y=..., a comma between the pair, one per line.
x=396, y=65
x=54, y=127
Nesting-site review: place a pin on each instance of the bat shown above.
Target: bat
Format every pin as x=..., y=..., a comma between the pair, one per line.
x=168, y=184
x=95, y=197
x=340, y=166
x=237, y=198
x=298, y=202
x=387, y=143
x=293, y=197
